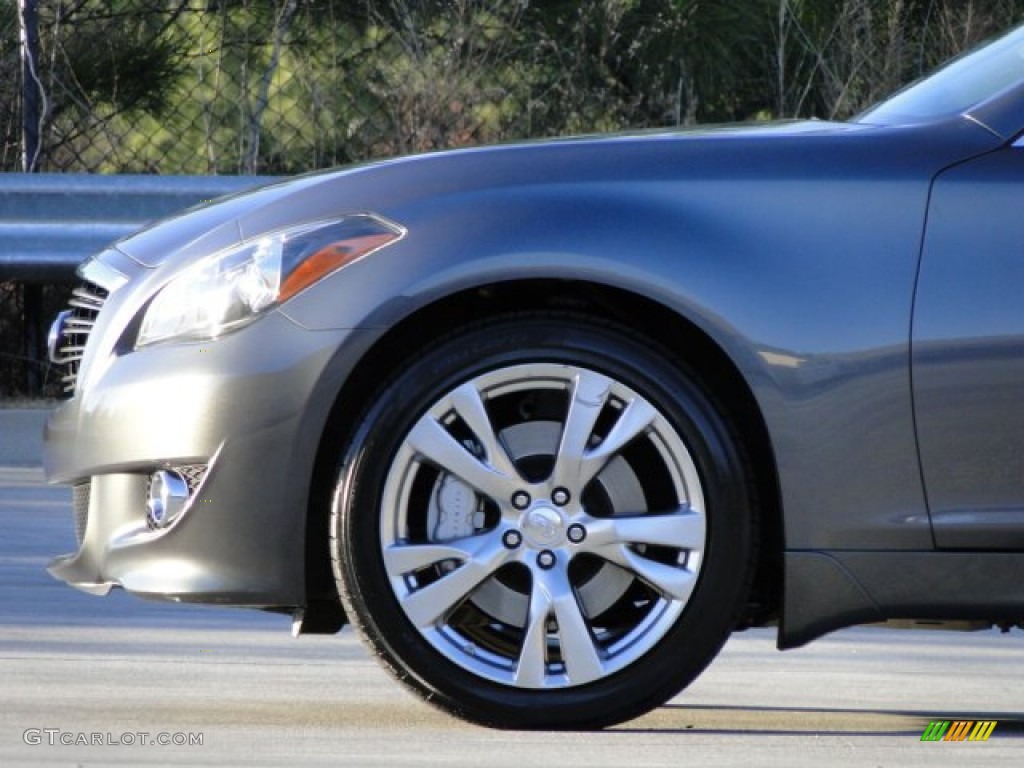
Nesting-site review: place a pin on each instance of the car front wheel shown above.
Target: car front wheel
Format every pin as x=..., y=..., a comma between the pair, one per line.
x=544, y=523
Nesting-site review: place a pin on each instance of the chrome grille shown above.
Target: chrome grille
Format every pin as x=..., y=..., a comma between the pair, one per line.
x=80, y=495
x=74, y=328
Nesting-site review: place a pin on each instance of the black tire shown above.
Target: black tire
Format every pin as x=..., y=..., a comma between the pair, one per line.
x=471, y=667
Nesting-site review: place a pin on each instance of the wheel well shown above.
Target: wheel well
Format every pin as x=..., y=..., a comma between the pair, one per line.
x=639, y=313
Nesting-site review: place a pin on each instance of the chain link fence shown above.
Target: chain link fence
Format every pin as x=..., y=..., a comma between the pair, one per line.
x=285, y=86
x=288, y=86
x=272, y=86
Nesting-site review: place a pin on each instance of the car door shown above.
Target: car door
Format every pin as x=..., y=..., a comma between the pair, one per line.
x=968, y=354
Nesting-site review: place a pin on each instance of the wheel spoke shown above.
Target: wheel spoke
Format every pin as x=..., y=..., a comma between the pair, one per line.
x=431, y=440
x=532, y=667
x=401, y=558
x=582, y=662
x=670, y=580
x=681, y=529
x=589, y=394
x=467, y=403
x=426, y=606
x=636, y=417
x=550, y=594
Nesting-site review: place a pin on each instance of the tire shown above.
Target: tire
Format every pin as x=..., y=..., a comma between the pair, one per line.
x=521, y=574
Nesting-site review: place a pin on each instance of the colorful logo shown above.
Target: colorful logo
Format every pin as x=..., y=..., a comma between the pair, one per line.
x=959, y=730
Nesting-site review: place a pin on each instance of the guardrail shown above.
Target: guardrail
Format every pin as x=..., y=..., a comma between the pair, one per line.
x=49, y=224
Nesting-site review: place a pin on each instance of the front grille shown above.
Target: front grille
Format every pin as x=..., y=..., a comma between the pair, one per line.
x=80, y=495
x=84, y=307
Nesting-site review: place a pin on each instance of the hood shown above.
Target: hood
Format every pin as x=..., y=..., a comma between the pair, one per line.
x=793, y=148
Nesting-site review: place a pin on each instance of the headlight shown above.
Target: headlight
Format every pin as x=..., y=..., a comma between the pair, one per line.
x=230, y=288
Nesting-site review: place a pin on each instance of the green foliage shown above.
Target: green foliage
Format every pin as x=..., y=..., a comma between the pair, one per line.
x=834, y=59
x=279, y=86
x=119, y=58
x=10, y=87
x=700, y=61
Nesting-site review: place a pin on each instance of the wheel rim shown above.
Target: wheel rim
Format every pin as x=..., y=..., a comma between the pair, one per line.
x=543, y=525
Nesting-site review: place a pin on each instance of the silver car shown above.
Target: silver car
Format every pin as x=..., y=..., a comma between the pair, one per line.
x=548, y=422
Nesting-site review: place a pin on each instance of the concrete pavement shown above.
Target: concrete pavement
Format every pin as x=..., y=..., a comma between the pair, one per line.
x=100, y=672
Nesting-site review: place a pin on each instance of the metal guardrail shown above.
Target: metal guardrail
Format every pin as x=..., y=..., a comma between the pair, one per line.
x=50, y=222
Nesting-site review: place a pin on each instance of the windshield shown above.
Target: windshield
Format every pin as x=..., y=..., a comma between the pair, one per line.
x=957, y=86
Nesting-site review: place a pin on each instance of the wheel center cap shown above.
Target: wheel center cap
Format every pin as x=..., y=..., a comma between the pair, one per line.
x=543, y=526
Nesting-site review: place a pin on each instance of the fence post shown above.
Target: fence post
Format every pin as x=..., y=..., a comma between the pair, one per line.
x=32, y=112
x=31, y=86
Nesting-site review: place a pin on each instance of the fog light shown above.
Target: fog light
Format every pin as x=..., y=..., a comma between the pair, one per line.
x=168, y=495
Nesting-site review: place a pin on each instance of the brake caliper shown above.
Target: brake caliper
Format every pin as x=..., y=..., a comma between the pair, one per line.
x=457, y=508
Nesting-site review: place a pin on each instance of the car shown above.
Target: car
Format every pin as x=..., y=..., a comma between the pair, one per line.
x=547, y=422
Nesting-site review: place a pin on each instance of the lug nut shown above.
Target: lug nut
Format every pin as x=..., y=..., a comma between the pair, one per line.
x=546, y=559
x=560, y=496
x=512, y=539
x=576, y=533
x=520, y=499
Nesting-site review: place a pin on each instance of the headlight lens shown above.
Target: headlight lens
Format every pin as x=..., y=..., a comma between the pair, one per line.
x=228, y=289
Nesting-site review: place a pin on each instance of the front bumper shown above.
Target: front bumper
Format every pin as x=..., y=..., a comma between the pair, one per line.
x=250, y=408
